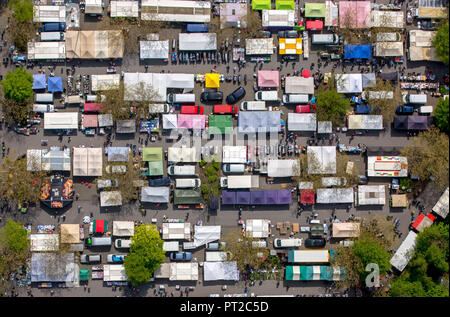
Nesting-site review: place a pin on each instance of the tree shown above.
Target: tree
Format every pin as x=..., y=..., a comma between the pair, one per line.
x=369, y=251
x=382, y=105
x=241, y=250
x=21, y=27
x=22, y=10
x=17, y=85
x=209, y=178
x=428, y=157
x=331, y=106
x=146, y=254
x=441, y=115
x=440, y=43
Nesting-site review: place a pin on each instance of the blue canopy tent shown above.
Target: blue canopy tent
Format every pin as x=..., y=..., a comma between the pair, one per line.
x=357, y=51
x=55, y=84
x=363, y=109
x=243, y=198
x=284, y=197
x=39, y=81
x=228, y=197
x=257, y=197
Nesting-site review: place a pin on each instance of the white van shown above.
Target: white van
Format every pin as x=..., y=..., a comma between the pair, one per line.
x=415, y=98
x=43, y=98
x=233, y=168
x=52, y=36
x=260, y=244
x=325, y=39
x=117, y=169
x=98, y=241
x=426, y=110
x=187, y=182
x=296, y=98
x=122, y=243
x=93, y=98
x=253, y=106
x=287, y=243
x=181, y=170
x=105, y=183
x=267, y=95
x=159, y=108
x=181, y=98
x=43, y=108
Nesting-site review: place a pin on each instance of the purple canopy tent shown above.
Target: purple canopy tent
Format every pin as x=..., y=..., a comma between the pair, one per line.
x=243, y=198
x=228, y=197
x=257, y=197
x=417, y=122
x=284, y=197
x=270, y=197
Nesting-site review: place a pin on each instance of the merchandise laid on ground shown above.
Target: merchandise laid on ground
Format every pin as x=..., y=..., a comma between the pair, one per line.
x=210, y=124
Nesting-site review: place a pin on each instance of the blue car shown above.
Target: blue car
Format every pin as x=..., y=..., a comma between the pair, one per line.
x=181, y=256
x=115, y=258
x=405, y=110
x=165, y=181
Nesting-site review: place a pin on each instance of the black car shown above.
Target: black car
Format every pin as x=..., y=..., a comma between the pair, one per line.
x=287, y=34
x=266, y=34
x=211, y=96
x=315, y=243
x=290, y=58
x=165, y=181
x=235, y=96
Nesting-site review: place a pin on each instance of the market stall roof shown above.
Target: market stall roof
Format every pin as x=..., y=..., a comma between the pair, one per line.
x=418, y=122
x=423, y=222
x=182, y=154
x=233, y=15
x=314, y=25
x=349, y=83
x=278, y=18
x=152, y=154
x=285, y=4
x=301, y=121
x=259, y=121
x=93, y=7
x=387, y=166
x=118, y=154
x=401, y=122
x=387, y=19
x=87, y=161
x=284, y=196
x=388, y=49
x=346, y=229
x=441, y=207
x=114, y=273
x=420, y=46
x=243, y=197
x=229, y=197
x=197, y=41
x=368, y=80
x=98, y=44
x=405, y=252
x=314, y=10
x=49, y=13
x=55, y=84
x=262, y=46
x=335, y=195
x=206, y=234
x=46, y=50
x=354, y=14
x=126, y=126
x=122, y=9
x=39, y=82
x=393, y=76
x=315, y=273
x=321, y=159
x=234, y=154
x=156, y=168
x=123, y=228
x=154, y=49
x=365, y=122
x=56, y=159
x=187, y=196
x=331, y=14
x=176, y=231
x=257, y=197
x=357, y=51
x=307, y=197
x=191, y=121
x=105, y=82
x=100, y=226
x=257, y=228
x=222, y=124
x=324, y=127
x=84, y=275
x=299, y=85
x=105, y=120
x=52, y=267
x=283, y=168
x=70, y=233
x=92, y=107
x=184, y=271
x=44, y=242
x=268, y=78
x=90, y=121
x=111, y=198
x=261, y=4
x=176, y=11
x=399, y=200
x=220, y=271
x=371, y=195
x=212, y=80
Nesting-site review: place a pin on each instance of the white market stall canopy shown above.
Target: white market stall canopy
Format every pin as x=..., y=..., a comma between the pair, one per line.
x=349, y=83
x=176, y=231
x=60, y=120
x=299, y=85
x=220, y=271
x=259, y=121
x=387, y=19
x=234, y=154
x=52, y=267
x=105, y=82
x=242, y=181
x=114, y=273
x=49, y=13
x=259, y=46
x=87, y=161
x=54, y=159
x=365, y=122
x=420, y=47
x=387, y=166
x=111, y=198
x=388, y=49
x=182, y=154
x=405, y=252
x=346, y=229
x=197, y=41
x=277, y=18
x=46, y=50
x=441, y=207
x=335, y=196
x=170, y=121
x=321, y=159
x=93, y=7
x=122, y=9
x=101, y=44
x=371, y=195
x=331, y=14
x=154, y=49
x=176, y=11
x=206, y=234
x=105, y=120
x=155, y=194
x=324, y=127
x=257, y=228
x=123, y=228
x=283, y=168
x=184, y=271
x=302, y=121
x=44, y=242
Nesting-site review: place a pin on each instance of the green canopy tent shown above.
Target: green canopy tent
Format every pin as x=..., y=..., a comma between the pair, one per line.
x=155, y=169
x=314, y=10
x=285, y=5
x=315, y=273
x=152, y=154
x=100, y=226
x=220, y=124
x=261, y=4
x=187, y=197
x=84, y=274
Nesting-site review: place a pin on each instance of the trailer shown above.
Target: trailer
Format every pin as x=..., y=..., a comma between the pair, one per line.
x=309, y=256
x=240, y=181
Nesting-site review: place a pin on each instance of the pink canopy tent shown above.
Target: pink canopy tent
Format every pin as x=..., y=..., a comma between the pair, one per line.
x=191, y=121
x=90, y=121
x=306, y=73
x=92, y=107
x=268, y=78
x=355, y=14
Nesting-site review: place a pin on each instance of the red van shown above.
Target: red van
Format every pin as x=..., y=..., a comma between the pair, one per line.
x=305, y=108
x=192, y=109
x=225, y=109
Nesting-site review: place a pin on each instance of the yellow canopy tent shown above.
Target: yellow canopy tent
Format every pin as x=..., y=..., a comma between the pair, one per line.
x=212, y=80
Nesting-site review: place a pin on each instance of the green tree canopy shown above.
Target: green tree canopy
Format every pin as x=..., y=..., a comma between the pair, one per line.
x=146, y=254
x=18, y=85
x=440, y=43
x=331, y=106
x=441, y=115
x=371, y=252
x=22, y=10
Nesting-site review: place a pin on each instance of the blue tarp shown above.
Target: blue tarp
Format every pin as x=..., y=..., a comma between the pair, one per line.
x=357, y=51
x=195, y=28
x=55, y=84
x=362, y=109
x=39, y=81
x=54, y=26
x=228, y=197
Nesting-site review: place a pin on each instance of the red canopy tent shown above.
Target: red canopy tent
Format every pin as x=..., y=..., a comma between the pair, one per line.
x=423, y=221
x=92, y=107
x=314, y=25
x=307, y=197
x=100, y=226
